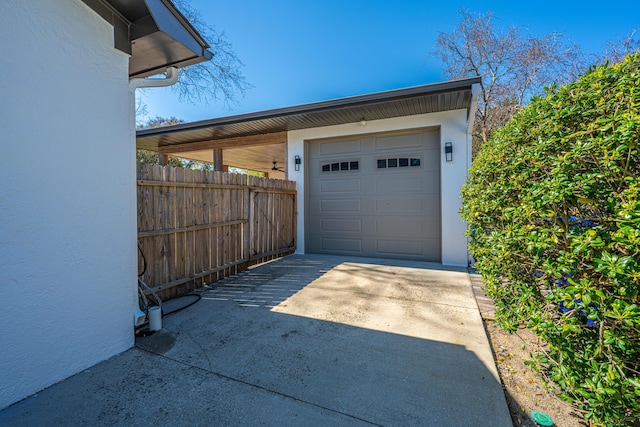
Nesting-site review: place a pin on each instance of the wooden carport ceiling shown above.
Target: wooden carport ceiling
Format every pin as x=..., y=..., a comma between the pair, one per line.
x=258, y=129
x=253, y=152
x=258, y=158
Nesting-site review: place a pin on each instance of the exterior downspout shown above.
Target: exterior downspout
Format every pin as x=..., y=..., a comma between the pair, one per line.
x=170, y=79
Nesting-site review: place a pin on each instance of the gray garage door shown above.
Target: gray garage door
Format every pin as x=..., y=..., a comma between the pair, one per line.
x=375, y=196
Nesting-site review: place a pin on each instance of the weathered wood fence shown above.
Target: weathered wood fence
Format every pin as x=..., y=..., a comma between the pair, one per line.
x=197, y=227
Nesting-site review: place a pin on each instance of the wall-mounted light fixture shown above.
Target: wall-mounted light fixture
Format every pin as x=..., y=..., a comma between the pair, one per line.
x=363, y=122
x=297, y=161
x=448, y=151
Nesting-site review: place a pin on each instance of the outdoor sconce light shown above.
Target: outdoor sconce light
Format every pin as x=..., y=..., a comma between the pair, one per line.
x=297, y=161
x=448, y=151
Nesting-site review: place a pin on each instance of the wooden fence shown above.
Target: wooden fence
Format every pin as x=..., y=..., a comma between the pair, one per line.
x=197, y=227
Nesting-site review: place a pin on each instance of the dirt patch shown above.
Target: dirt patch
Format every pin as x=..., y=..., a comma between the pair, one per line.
x=524, y=390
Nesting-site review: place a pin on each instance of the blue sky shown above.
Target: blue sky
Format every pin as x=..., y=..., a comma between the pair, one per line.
x=305, y=51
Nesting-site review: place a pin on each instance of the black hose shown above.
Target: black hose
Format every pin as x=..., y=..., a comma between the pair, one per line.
x=144, y=261
x=198, y=297
x=142, y=287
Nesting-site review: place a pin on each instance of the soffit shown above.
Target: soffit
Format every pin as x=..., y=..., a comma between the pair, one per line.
x=446, y=96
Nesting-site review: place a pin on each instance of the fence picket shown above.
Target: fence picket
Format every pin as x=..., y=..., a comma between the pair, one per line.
x=196, y=227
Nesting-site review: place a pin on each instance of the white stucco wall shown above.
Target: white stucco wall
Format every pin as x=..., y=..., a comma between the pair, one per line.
x=453, y=128
x=67, y=201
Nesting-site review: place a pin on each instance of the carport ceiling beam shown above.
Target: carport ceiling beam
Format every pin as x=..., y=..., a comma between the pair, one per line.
x=235, y=142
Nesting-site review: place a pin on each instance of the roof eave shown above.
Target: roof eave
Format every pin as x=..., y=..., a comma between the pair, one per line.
x=347, y=102
x=154, y=33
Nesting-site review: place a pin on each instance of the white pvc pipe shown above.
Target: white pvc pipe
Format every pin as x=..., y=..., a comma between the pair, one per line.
x=155, y=318
x=154, y=313
x=171, y=79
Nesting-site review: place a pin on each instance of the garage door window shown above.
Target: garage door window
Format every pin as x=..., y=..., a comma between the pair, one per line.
x=351, y=165
x=398, y=162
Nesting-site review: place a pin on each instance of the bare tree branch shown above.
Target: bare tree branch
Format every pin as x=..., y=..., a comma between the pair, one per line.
x=513, y=65
x=219, y=79
x=619, y=48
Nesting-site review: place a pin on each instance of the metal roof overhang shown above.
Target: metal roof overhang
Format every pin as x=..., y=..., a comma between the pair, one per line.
x=431, y=98
x=154, y=33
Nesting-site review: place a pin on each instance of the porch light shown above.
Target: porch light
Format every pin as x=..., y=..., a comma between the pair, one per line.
x=297, y=160
x=448, y=151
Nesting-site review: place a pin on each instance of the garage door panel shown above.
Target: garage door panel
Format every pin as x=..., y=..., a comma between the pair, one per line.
x=330, y=206
x=405, y=207
x=341, y=224
x=400, y=226
x=396, y=142
x=319, y=225
x=342, y=245
x=339, y=147
x=393, y=247
x=325, y=187
x=407, y=249
x=374, y=211
x=389, y=205
x=397, y=183
x=426, y=184
x=340, y=186
x=405, y=228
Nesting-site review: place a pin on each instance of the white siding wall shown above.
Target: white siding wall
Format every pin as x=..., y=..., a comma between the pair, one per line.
x=67, y=202
x=453, y=128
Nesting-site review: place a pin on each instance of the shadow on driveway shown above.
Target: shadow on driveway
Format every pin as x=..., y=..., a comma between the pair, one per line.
x=305, y=340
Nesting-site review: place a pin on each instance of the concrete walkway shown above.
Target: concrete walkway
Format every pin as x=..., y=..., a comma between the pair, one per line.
x=304, y=340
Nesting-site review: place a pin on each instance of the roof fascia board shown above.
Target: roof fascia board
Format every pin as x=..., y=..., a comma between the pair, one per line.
x=186, y=24
x=348, y=102
x=169, y=20
x=162, y=18
x=471, y=114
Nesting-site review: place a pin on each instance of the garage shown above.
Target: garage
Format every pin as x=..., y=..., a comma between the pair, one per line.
x=377, y=175
x=375, y=195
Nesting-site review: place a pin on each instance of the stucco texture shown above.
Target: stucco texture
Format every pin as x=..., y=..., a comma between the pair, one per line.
x=67, y=235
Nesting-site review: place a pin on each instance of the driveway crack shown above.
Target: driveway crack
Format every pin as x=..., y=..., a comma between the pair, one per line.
x=237, y=380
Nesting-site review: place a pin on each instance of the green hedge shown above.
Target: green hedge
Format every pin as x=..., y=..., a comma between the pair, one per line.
x=553, y=207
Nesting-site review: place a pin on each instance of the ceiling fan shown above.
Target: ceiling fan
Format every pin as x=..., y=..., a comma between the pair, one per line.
x=274, y=168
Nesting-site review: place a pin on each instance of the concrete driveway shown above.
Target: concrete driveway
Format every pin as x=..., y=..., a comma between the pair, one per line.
x=304, y=340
